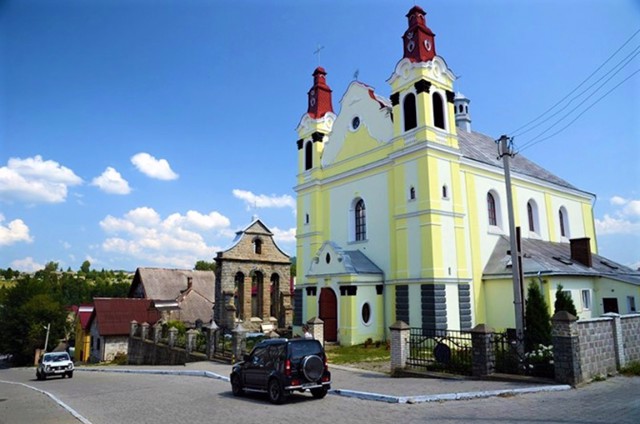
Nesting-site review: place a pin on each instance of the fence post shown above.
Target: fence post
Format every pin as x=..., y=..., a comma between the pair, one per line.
x=191, y=340
x=316, y=327
x=618, y=340
x=400, y=332
x=145, y=330
x=211, y=341
x=157, y=332
x=133, y=328
x=173, y=332
x=483, y=351
x=239, y=342
x=566, y=348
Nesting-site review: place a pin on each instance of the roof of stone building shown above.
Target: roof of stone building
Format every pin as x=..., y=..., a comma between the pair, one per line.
x=169, y=284
x=114, y=315
x=482, y=148
x=551, y=258
x=272, y=252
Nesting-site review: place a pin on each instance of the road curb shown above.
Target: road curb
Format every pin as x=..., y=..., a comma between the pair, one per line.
x=378, y=397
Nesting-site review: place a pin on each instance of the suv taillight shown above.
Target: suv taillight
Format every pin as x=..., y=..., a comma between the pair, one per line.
x=326, y=363
x=287, y=368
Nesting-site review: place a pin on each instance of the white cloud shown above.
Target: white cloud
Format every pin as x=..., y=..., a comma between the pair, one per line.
x=152, y=167
x=284, y=236
x=174, y=241
x=617, y=200
x=26, y=265
x=111, y=182
x=611, y=225
x=35, y=180
x=263, y=201
x=630, y=207
x=14, y=232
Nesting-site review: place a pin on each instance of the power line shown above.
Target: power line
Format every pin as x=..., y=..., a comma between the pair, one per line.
x=534, y=141
x=579, y=85
x=617, y=68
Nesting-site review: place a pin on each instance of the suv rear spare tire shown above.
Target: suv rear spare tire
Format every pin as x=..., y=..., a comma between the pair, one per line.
x=312, y=367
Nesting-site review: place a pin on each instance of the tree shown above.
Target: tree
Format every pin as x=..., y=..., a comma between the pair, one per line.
x=51, y=267
x=205, y=266
x=564, y=302
x=86, y=267
x=537, y=319
x=294, y=267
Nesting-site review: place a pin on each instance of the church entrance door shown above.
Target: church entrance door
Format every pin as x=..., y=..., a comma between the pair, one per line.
x=329, y=314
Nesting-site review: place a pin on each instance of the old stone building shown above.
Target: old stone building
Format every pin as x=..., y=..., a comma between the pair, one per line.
x=253, y=282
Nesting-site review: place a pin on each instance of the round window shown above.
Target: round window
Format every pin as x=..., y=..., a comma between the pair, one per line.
x=328, y=258
x=366, y=313
x=355, y=123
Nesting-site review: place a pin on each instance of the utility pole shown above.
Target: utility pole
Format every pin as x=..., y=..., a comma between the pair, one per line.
x=46, y=341
x=505, y=151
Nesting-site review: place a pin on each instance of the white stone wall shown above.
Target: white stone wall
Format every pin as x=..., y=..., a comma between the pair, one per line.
x=114, y=345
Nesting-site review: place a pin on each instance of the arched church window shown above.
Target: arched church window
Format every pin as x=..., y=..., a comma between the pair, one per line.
x=410, y=116
x=491, y=209
x=564, y=222
x=412, y=193
x=438, y=110
x=361, y=221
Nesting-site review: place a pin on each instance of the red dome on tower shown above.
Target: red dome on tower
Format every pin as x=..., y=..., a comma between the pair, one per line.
x=418, y=40
x=319, y=95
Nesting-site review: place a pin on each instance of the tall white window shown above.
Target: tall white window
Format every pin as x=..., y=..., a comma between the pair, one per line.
x=631, y=304
x=563, y=218
x=532, y=215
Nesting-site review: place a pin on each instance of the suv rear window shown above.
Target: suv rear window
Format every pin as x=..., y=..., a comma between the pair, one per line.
x=303, y=348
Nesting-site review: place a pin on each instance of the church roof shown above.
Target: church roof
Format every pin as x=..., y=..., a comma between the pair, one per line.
x=482, y=148
x=551, y=258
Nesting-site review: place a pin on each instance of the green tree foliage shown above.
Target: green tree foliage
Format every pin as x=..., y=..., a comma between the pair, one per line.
x=294, y=268
x=85, y=268
x=205, y=266
x=537, y=319
x=564, y=302
x=31, y=302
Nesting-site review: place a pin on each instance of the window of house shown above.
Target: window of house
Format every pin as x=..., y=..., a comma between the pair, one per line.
x=410, y=115
x=586, y=299
x=355, y=123
x=366, y=313
x=532, y=215
x=360, y=221
x=491, y=209
x=412, y=193
x=445, y=192
x=532, y=227
x=257, y=246
x=631, y=304
x=438, y=110
x=308, y=156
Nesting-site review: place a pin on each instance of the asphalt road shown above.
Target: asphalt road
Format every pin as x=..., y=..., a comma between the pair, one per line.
x=130, y=398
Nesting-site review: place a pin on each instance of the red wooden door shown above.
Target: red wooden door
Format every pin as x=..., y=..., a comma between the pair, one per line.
x=329, y=314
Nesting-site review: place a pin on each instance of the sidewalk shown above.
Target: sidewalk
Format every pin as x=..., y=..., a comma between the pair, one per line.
x=363, y=384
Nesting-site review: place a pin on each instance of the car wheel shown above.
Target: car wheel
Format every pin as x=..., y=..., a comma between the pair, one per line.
x=275, y=391
x=236, y=385
x=44, y=376
x=70, y=374
x=38, y=376
x=312, y=367
x=320, y=392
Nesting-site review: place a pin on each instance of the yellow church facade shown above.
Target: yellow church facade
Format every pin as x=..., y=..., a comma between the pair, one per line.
x=400, y=205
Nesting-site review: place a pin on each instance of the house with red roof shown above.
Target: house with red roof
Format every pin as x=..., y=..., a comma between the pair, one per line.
x=110, y=323
x=81, y=330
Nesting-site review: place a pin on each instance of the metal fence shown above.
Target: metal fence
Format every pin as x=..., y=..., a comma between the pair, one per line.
x=223, y=344
x=536, y=362
x=440, y=350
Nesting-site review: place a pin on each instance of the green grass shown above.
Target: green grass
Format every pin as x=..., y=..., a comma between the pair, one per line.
x=632, y=368
x=358, y=353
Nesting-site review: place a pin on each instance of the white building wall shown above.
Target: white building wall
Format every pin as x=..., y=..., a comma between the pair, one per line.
x=114, y=345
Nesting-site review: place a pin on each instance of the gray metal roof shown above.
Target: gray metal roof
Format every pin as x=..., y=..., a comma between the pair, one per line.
x=482, y=148
x=546, y=257
x=357, y=262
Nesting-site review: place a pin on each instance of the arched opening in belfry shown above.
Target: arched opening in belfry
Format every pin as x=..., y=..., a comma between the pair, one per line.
x=238, y=293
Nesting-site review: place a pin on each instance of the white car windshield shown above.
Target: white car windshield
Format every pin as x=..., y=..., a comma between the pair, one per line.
x=55, y=357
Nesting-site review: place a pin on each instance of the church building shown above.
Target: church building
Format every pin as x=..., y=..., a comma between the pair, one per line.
x=401, y=206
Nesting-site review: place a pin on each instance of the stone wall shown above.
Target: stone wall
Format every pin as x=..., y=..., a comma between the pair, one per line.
x=631, y=336
x=114, y=345
x=597, y=347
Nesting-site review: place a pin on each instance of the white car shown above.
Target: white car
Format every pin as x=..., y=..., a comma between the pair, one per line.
x=54, y=363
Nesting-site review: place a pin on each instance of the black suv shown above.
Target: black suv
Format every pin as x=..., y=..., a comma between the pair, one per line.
x=280, y=366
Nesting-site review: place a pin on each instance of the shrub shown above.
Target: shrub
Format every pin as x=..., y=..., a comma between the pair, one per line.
x=564, y=302
x=537, y=319
x=121, y=358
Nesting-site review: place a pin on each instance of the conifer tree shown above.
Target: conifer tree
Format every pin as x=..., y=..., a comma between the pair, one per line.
x=564, y=302
x=537, y=319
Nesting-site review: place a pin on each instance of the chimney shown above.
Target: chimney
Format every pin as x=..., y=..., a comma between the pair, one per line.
x=581, y=251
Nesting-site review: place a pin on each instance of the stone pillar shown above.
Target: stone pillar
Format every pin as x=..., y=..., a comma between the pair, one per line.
x=265, y=313
x=566, y=348
x=400, y=332
x=229, y=318
x=239, y=342
x=191, y=340
x=173, y=334
x=211, y=340
x=144, y=333
x=157, y=332
x=133, y=328
x=483, y=351
x=288, y=309
x=618, y=340
x=245, y=311
x=316, y=328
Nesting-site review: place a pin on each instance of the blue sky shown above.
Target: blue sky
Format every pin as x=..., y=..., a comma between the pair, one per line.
x=145, y=133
